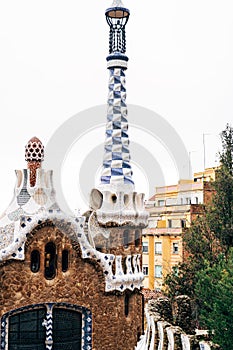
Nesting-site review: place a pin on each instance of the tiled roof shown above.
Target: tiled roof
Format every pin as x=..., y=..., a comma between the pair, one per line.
x=151, y=294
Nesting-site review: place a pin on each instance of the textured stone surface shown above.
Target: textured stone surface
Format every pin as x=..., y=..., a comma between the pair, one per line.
x=33, y=166
x=161, y=309
x=83, y=284
x=183, y=314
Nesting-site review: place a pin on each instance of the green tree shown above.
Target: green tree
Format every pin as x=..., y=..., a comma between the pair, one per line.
x=206, y=273
x=221, y=212
x=215, y=290
x=201, y=246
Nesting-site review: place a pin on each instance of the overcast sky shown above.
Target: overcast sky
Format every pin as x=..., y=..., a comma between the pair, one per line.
x=52, y=66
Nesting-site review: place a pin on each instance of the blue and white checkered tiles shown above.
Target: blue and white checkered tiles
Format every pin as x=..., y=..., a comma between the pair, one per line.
x=116, y=164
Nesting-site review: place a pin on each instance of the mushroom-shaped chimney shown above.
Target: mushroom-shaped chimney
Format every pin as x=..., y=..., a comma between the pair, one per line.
x=34, y=156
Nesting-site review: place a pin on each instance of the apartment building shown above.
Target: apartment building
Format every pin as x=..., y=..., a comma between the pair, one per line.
x=171, y=211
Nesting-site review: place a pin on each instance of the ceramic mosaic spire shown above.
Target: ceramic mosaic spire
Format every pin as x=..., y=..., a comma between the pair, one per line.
x=116, y=164
x=114, y=202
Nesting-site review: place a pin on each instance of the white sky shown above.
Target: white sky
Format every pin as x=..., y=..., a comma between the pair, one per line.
x=52, y=66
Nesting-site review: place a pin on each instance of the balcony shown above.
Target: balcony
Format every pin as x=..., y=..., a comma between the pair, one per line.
x=168, y=209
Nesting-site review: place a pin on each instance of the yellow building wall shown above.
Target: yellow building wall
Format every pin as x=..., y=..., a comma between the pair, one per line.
x=168, y=259
x=145, y=261
x=151, y=262
x=161, y=224
x=176, y=258
x=166, y=255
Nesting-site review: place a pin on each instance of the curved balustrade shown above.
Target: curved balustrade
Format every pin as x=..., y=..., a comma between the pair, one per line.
x=160, y=335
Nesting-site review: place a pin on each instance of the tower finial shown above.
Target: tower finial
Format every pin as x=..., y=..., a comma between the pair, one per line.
x=117, y=3
x=34, y=156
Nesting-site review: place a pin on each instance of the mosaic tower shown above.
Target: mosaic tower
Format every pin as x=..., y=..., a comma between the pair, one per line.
x=116, y=165
x=115, y=201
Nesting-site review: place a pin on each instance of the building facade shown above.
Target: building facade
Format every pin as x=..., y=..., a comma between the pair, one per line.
x=64, y=287
x=171, y=210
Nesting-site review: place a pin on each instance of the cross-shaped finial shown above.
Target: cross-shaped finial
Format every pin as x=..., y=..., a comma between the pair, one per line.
x=117, y=3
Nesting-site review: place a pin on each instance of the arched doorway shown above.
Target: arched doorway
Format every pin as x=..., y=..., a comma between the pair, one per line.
x=53, y=326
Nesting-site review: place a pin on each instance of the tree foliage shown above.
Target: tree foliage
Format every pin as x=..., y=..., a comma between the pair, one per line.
x=215, y=291
x=222, y=207
x=201, y=247
x=206, y=275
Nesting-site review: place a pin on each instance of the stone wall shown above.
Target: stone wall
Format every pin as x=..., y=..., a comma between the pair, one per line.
x=170, y=326
x=83, y=284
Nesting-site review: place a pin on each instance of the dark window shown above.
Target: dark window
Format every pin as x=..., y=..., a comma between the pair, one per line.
x=137, y=238
x=65, y=260
x=35, y=261
x=145, y=270
x=67, y=329
x=169, y=223
x=127, y=297
x=126, y=238
x=183, y=223
x=145, y=248
x=175, y=248
x=50, y=260
x=26, y=330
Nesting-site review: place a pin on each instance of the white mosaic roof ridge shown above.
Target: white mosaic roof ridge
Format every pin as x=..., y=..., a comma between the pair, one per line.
x=73, y=227
x=38, y=206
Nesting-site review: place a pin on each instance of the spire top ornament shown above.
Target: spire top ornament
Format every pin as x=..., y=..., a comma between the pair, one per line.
x=117, y=3
x=34, y=156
